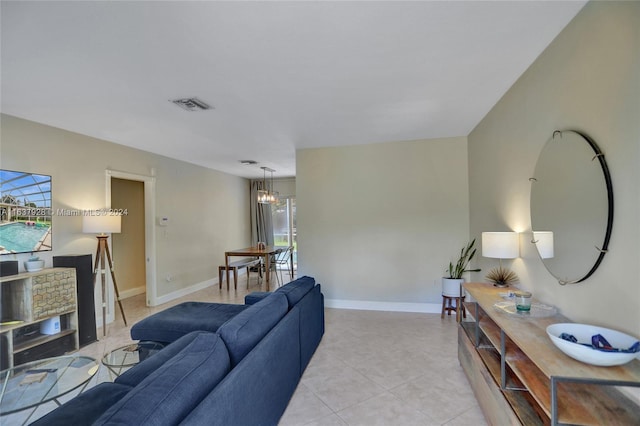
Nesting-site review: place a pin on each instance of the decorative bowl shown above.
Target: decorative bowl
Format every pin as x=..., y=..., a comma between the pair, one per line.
x=587, y=354
x=34, y=265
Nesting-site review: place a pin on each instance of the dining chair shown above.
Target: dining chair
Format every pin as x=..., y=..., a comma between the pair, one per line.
x=282, y=261
x=272, y=265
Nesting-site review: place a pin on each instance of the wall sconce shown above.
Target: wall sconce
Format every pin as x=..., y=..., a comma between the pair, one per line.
x=544, y=243
x=501, y=245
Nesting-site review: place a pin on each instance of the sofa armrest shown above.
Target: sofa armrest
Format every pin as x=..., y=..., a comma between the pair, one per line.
x=255, y=297
x=85, y=408
x=145, y=368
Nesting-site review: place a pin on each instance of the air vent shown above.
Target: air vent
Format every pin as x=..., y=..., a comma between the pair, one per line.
x=248, y=162
x=191, y=104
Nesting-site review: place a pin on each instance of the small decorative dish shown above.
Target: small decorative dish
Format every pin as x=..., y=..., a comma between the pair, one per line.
x=509, y=295
x=538, y=310
x=594, y=345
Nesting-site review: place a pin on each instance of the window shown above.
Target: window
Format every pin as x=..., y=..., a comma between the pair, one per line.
x=283, y=214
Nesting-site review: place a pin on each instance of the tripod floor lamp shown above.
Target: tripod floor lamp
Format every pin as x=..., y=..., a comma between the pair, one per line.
x=103, y=225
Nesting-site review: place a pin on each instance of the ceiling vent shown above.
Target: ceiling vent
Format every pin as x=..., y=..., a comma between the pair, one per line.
x=191, y=104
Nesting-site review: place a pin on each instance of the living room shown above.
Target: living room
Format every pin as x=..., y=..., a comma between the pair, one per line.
x=378, y=223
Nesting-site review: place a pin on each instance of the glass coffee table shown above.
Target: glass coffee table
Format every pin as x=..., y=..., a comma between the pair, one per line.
x=35, y=383
x=124, y=357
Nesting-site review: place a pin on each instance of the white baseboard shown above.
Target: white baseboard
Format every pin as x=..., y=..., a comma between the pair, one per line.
x=367, y=305
x=193, y=288
x=186, y=291
x=132, y=292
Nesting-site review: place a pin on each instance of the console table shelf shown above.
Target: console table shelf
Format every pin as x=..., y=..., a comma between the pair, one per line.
x=519, y=376
x=39, y=340
x=27, y=301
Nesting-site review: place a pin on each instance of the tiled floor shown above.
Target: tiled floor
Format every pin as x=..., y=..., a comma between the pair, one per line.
x=384, y=368
x=371, y=368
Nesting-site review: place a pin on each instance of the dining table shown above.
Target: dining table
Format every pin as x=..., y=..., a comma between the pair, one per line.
x=256, y=251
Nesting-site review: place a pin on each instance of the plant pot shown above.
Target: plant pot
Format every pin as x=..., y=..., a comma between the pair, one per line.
x=34, y=265
x=452, y=287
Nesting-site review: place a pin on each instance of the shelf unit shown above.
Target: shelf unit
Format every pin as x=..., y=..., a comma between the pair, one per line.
x=29, y=299
x=520, y=377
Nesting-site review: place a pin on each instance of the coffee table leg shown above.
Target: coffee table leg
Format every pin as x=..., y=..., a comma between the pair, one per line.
x=113, y=374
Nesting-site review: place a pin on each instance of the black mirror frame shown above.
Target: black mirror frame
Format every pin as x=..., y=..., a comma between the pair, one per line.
x=607, y=178
x=608, y=183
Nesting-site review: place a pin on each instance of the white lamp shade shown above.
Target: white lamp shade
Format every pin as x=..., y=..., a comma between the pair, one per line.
x=544, y=243
x=101, y=224
x=500, y=245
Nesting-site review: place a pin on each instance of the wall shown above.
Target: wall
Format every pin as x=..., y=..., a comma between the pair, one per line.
x=588, y=79
x=377, y=224
x=286, y=187
x=208, y=210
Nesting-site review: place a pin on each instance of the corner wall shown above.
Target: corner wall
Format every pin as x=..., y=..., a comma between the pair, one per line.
x=208, y=210
x=588, y=79
x=377, y=224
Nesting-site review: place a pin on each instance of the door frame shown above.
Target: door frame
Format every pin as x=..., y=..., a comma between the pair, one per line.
x=149, y=224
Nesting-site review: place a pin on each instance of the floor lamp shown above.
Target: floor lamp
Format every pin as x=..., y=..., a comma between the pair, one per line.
x=103, y=225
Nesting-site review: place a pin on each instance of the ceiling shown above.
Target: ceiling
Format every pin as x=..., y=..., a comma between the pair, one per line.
x=281, y=76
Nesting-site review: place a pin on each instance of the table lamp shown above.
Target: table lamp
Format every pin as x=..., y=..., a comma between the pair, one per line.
x=501, y=245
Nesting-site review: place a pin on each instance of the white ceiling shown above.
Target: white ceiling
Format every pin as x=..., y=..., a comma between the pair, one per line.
x=281, y=75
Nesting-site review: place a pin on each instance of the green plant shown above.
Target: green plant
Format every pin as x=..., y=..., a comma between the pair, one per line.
x=502, y=277
x=466, y=254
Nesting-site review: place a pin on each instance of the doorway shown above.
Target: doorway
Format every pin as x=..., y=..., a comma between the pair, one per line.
x=149, y=258
x=128, y=246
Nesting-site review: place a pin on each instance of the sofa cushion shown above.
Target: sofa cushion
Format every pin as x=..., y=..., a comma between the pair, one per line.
x=256, y=391
x=175, y=388
x=296, y=289
x=139, y=372
x=173, y=323
x=242, y=332
x=85, y=408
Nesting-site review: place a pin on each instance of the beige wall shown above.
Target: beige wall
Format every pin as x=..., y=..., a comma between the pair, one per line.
x=286, y=187
x=208, y=210
x=378, y=223
x=129, y=245
x=588, y=79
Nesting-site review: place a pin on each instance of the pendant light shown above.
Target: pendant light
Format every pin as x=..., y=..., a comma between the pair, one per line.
x=267, y=195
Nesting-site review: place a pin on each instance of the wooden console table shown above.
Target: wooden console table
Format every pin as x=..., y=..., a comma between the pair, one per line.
x=520, y=377
x=27, y=300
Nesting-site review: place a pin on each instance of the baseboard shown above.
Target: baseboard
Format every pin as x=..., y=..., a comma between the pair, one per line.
x=364, y=305
x=193, y=288
x=367, y=305
x=186, y=291
x=132, y=292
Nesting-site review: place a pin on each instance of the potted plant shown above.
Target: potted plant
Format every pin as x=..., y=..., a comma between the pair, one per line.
x=452, y=283
x=502, y=277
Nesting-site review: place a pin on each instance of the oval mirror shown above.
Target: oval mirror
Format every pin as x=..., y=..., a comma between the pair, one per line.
x=571, y=206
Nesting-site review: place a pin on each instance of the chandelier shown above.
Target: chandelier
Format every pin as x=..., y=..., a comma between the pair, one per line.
x=267, y=195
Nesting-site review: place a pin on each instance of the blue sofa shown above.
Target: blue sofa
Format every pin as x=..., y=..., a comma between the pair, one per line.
x=242, y=373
